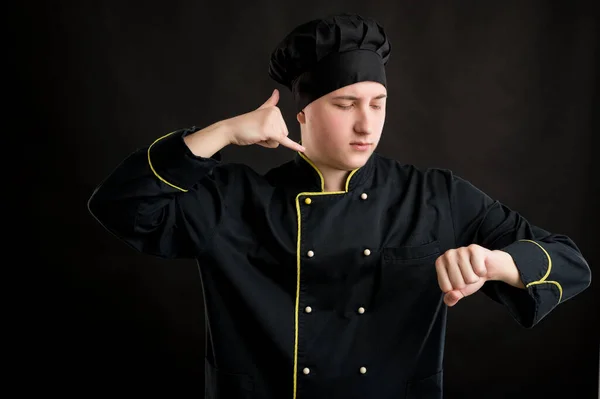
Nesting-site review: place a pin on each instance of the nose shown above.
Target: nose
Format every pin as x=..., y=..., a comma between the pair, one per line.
x=362, y=124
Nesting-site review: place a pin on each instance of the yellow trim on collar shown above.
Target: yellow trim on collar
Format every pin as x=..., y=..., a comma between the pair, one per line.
x=311, y=163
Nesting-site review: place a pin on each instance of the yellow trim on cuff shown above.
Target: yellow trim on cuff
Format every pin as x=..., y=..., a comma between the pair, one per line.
x=543, y=279
x=154, y=171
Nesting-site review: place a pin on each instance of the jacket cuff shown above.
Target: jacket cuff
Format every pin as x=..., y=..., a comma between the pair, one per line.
x=530, y=305
x=173, y=163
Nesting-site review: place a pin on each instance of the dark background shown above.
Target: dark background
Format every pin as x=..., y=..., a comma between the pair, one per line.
x=503, y=93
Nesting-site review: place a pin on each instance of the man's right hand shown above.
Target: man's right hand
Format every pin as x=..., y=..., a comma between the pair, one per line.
x=264, y=126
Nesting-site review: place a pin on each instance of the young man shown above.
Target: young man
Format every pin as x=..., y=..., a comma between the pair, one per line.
x=330, y=275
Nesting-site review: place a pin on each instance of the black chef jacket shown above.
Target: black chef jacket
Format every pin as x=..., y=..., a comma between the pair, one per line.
x=312, y=294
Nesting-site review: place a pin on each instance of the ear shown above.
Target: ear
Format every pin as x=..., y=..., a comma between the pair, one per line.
x=301, y=117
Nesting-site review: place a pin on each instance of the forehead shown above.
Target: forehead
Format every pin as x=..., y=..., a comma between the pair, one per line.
x=360, y=90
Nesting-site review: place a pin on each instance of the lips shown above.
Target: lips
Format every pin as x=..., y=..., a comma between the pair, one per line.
x=360, y=145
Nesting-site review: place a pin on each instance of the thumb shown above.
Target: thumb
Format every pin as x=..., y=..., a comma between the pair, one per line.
x=451, y=298
x=272, y=101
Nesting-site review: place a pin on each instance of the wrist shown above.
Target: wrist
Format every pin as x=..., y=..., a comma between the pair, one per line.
x=225, y=131
x=221, y=133
x=509, y=272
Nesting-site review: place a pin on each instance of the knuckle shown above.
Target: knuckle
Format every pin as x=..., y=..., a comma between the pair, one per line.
x=268, y=112
x=472, y=279
x=274, y=112
x=473, y=248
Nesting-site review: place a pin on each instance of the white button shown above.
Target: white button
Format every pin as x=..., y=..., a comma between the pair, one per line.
x=364, y=196
x=306, y=370
x=361, y=310
x=308, y=309
x=310, y=254
x=367, y=252
x=363, y=370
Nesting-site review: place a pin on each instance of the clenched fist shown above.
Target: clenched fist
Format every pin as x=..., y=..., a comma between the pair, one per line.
x=463, y=271
x=264, y=126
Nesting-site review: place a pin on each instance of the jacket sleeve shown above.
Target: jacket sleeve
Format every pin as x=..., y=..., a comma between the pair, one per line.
x=163, y=200
x=550, y=265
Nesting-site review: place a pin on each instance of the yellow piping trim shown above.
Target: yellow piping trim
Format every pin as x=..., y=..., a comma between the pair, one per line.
x=322, y=192
x=152, y=168
x=321, y=175
x=543, y=279
x=348, y=179
x=315, y=168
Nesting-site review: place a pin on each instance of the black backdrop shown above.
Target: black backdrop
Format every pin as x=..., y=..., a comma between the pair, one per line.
x=503, y=93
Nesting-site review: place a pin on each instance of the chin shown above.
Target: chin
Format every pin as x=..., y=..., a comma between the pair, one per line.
x=355, y=161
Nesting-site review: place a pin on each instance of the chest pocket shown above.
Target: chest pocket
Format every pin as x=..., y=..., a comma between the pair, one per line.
x=411, y=255
x=406, y=273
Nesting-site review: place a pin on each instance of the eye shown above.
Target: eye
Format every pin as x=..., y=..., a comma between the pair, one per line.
x=343, y=106
x=376, y=106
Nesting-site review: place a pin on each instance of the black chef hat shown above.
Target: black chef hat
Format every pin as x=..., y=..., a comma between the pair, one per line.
x=323, y=55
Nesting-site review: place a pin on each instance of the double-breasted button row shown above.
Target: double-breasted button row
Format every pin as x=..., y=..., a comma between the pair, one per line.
x=362, y=370
x=360, y=310
x=311, y=253
x=308, y=200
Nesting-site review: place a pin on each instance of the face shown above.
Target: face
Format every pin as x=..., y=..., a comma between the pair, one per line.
x=342, y=129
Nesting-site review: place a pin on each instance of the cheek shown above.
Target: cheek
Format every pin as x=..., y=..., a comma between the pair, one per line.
x=381, y=121
x=378, y=123
x=335, y=127
x=328, y=127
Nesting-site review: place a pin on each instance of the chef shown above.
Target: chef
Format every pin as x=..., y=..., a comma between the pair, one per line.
x=330, y=275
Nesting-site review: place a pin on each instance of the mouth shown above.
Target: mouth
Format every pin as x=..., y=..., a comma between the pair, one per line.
x=361, y=145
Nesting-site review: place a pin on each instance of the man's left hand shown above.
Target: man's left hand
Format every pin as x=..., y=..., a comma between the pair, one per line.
x=463, y=271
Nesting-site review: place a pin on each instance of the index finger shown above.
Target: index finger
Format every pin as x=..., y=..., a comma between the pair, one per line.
x=289, y=143
x=478, y=263
x=442, y=275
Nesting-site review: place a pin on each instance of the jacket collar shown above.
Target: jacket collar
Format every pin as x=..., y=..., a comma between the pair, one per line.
x=310, y=179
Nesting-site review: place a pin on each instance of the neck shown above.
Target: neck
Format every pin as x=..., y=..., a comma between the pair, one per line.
x=334, y=180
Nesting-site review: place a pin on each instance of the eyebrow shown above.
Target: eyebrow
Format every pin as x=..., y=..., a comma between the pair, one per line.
x=356, y=98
